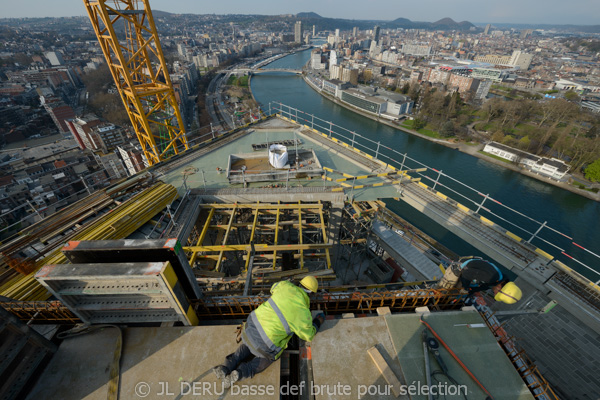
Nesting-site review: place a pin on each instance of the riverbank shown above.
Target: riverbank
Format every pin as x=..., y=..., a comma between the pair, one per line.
x=473, y=150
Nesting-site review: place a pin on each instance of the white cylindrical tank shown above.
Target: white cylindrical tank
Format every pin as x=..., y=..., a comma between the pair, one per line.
x=278, y=155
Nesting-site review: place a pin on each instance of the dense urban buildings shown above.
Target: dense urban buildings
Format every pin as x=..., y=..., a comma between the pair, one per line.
x=47, y=91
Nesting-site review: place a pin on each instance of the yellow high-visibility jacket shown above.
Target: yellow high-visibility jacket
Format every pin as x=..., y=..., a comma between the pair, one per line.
x=270, y=327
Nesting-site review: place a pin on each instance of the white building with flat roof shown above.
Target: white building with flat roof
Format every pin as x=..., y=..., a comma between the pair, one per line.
x=548, y=167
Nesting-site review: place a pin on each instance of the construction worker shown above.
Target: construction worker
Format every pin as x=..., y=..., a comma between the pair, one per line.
x=476, y=275
x=269, y=328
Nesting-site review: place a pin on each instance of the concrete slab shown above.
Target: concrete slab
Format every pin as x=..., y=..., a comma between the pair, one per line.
x=156, y=363
x=207, y=174
x=476, y=347
x=342, y=368
x=79, y=369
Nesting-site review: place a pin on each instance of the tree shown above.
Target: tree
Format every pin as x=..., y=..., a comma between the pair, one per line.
x=418, y=123
x=498, y=136
x=592, y=172
x=524, y=143
x=508, y=140
x=414, y=92
x=492, y=108
x=447, y=129
x=406, y=88
x=572, y=96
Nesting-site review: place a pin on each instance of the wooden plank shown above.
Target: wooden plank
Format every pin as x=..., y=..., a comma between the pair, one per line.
x=263, y=206
x=260, y=247
x=211, y=274
x=385, y=370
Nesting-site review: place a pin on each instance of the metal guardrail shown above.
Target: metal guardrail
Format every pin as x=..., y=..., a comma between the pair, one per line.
x=438, y=180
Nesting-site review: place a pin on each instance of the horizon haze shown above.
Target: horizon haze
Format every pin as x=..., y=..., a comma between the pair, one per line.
x=553, y=12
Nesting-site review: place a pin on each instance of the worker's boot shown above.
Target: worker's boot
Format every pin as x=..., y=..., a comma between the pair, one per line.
x=232, y=378
x=220, y=372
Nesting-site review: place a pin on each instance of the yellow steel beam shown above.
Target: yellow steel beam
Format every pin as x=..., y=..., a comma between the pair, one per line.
x=139, y=70
x=202, y=235
x=276, y=238
x=325, y=236
x=300, y=233
x=260, y=247
x=268, y=256
x=118, y=224
x=264, y=206
x=249, y=225
x=220, y=259
x=256, y=211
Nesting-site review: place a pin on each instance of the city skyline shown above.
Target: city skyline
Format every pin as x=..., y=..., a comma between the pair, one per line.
x=579, y=12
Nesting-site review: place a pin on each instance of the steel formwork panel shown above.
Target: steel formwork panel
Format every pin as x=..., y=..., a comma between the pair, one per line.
x=137, y=250
x=119, y=293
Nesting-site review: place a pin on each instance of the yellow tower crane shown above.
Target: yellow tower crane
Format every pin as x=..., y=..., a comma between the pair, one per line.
x=130, y=43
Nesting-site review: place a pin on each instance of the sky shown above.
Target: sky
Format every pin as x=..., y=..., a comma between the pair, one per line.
x=578, y=12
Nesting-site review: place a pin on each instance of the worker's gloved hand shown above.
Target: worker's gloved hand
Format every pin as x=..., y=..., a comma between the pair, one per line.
x=318, y=320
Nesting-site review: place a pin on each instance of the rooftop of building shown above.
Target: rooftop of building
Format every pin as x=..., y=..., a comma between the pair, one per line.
x=336, y=158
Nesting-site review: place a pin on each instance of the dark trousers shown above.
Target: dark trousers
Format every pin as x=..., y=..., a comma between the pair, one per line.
x=245, y=362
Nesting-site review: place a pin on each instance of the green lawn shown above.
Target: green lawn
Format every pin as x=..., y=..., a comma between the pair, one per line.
x=235, y=81
x=490, y=127
x=519, y=131
x=423, y=131
x=243, y=81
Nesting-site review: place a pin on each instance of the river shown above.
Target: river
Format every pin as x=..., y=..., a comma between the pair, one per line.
x=566, y=212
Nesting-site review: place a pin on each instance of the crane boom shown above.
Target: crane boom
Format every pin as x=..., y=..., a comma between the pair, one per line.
x=130, y=43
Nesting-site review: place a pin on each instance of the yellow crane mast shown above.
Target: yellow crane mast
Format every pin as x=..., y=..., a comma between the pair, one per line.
x=130, y=43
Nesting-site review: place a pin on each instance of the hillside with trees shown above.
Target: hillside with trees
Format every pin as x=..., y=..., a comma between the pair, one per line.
x=556, y=128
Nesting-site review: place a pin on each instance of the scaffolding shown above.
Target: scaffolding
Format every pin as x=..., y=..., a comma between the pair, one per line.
x=236, y=307
x=357, y=220
x=285, y=237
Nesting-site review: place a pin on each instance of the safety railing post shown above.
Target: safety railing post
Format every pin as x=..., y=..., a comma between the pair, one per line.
x=403, y=160
x=481, y=205
x=437, y=179
x=536, y=232
x=377, y=151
